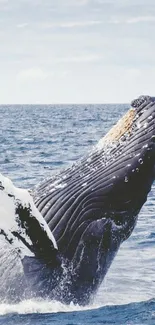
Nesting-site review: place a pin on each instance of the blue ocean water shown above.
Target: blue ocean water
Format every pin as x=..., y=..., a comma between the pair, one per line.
x=37, y=141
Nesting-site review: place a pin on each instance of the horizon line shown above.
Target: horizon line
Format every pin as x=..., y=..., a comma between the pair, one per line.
x=33, y=104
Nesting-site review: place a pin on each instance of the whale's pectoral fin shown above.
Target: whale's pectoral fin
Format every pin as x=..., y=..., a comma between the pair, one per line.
x=23, y=227
x=35, y=231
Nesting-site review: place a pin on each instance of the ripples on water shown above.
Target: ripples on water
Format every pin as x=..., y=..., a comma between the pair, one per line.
x=35, y=142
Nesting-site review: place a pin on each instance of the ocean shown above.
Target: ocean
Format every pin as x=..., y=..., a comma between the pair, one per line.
x=38, y=141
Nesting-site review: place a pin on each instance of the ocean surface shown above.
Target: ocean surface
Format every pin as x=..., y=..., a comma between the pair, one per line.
x=39, y=140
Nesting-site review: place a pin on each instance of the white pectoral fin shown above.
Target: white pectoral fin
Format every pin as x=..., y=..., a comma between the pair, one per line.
x=22, y=225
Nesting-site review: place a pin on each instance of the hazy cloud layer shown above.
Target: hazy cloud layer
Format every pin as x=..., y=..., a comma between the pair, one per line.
x=76, y=50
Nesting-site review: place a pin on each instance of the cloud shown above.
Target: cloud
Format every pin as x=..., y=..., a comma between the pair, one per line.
x=86, y=50
x=62, y=3
x=77, y=2
x=23, y=25
x=72, y=24
x=79, y=59
x=5, y=5
x=143, y=19
x=32, y=74
x=38, y=74
x=134, y=20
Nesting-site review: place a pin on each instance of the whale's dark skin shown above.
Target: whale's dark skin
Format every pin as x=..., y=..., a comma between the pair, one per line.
x=90, y=208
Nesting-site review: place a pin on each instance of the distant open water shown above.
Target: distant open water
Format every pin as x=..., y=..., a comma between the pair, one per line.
x=37, y=141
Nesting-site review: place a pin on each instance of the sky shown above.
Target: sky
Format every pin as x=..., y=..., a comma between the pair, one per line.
x=76, y=51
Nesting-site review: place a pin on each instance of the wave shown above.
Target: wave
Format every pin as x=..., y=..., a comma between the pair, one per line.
x=43, y=311
x=40, y=306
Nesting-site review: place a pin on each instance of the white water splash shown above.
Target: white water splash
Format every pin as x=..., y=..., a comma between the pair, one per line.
x=32, y=306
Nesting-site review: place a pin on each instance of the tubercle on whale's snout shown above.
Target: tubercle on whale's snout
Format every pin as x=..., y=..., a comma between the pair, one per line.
x=142, y=100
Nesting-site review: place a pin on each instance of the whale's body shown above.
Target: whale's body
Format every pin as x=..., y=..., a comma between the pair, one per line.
x=73, y=227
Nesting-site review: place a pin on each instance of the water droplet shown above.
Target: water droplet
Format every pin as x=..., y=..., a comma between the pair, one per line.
x=150, y=117
x=153, y=138
x=138, y=125
x=137, y=170
x=145, y=125
x=84, y=184
x=145, y=146
x=126, y=179
x=140, y=161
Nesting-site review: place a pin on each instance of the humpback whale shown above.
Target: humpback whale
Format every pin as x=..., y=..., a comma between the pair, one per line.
x=69, y=229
